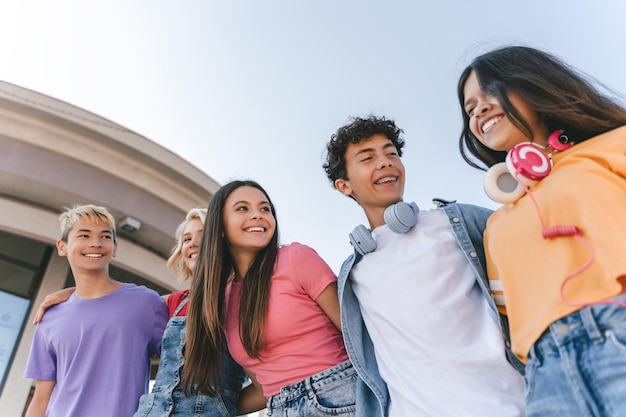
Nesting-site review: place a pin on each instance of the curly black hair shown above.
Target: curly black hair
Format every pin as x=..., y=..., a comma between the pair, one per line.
x=358, y=130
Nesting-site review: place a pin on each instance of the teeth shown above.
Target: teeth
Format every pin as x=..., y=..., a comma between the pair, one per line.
x=386, y=179
x=93, y=255
x=255, y=229
x=490, y=123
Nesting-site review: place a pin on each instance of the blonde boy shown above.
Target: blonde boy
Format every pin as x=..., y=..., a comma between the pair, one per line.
x=91, y=355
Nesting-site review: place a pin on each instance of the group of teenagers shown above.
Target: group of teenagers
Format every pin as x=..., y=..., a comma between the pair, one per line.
x=447, y=312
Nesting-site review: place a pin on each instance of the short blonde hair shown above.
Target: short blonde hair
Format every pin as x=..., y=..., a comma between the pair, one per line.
x=70, y=216
x=176, y=263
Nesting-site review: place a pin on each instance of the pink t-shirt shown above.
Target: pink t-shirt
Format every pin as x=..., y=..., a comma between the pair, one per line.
x=300, y=339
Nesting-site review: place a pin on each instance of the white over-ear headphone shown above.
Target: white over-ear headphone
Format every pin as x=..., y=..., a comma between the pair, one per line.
x=525, y=164
x=399, y=217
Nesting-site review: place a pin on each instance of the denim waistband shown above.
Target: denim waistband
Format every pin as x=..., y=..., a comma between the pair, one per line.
x=589, y=322
x=288, y=393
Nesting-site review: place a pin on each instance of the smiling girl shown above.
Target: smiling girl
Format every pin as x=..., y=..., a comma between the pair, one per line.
x=275, y=308
x=556, y=246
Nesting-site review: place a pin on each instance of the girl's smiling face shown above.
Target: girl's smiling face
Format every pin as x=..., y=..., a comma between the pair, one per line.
x=192, y=234
x=249, y=224
x=490, y=124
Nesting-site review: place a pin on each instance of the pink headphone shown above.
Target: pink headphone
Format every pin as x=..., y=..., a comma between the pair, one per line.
x=528, y=164
x=525, y=165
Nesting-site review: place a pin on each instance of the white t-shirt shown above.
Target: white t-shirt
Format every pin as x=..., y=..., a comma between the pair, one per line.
x=438, y=345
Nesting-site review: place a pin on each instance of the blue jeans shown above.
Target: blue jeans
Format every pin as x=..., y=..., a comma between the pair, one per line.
x=329, y=393
x=578, y=366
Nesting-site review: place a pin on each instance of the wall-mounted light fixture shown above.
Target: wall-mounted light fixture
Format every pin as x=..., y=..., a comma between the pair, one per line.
x=130, y=225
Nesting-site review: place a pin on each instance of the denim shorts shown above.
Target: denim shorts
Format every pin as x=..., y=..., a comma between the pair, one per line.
x=329, y=393
x=578, y=366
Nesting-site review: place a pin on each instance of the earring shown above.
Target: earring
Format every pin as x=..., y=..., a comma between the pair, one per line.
x=559, y=142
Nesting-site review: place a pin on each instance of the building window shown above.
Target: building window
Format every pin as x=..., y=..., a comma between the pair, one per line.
x=22, y=262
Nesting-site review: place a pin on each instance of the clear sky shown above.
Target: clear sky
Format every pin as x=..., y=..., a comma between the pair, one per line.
x=254, y=89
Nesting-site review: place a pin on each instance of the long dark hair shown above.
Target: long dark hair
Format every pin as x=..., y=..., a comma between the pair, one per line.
x=563, y=98
x=206, y=345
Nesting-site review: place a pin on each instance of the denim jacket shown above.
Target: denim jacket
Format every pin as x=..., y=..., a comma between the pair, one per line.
x=168, y=399
x=372, y=398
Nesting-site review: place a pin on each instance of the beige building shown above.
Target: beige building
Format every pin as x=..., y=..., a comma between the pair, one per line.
x=52, y=155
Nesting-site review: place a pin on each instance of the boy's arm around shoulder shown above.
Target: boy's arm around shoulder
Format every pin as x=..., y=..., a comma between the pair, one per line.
x=51, y=300
x=41, y=398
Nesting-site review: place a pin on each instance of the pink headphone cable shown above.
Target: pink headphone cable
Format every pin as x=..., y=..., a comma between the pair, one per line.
x=564, y=231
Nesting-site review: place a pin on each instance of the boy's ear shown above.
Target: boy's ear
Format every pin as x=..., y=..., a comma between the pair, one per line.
x=114, y=250
x=343, y=186
x=61, y=248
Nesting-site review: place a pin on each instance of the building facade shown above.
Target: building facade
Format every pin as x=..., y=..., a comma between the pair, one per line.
x=54, y=155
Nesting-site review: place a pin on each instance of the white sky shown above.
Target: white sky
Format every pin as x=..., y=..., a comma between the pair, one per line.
x=254, y=89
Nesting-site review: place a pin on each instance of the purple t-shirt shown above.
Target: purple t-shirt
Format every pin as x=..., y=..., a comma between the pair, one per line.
x=98, y=351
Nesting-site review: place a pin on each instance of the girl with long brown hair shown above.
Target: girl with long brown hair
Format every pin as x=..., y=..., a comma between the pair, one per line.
x=274, y=308
x=556, y=246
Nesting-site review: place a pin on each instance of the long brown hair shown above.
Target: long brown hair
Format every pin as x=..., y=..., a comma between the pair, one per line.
x=563, y=97
x=206, y=345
